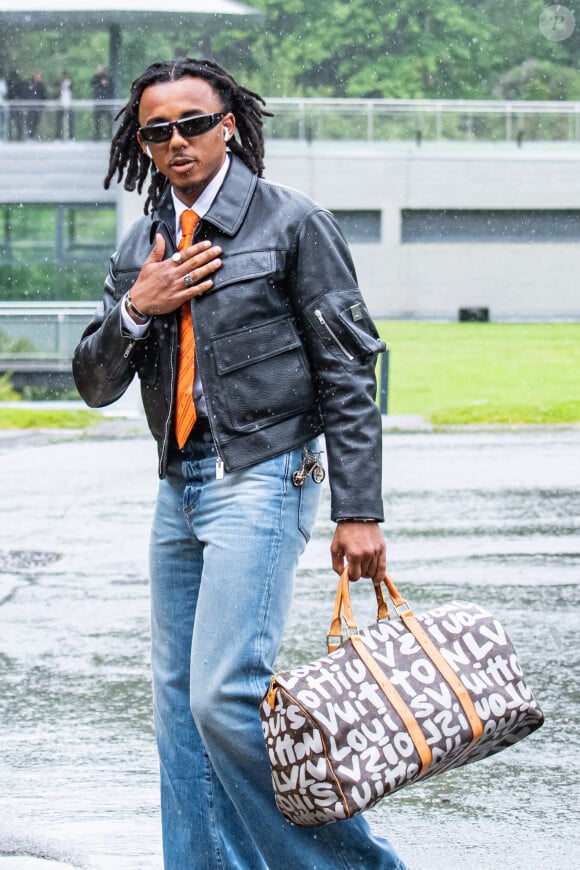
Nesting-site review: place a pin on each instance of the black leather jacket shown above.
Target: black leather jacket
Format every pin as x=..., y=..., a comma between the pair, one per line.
x=286, y=348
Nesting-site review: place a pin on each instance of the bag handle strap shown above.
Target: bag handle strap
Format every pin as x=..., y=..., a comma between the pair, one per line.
x=342, y=607
x=342, y=604
x=446, y=671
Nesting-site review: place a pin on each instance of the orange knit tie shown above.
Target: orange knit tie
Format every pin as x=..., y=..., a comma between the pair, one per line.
x=185, y=413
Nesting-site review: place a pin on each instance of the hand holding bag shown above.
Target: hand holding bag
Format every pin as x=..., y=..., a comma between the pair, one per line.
x=393, y=704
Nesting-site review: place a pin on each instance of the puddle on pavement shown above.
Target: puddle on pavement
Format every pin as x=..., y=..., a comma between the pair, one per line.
x=487, y=517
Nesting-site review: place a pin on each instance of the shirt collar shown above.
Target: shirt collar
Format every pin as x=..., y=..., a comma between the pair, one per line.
x=204, y=202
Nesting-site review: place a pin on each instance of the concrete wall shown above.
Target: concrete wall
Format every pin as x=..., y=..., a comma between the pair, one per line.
x=524, y=281
x=54, y=172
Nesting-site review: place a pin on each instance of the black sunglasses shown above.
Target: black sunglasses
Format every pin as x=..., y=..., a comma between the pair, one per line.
x=187, y=127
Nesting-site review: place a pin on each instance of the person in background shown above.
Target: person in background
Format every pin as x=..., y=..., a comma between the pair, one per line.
x=36, y=92
x=102, y=91
x=16, y=113
x=3, y=98
x=235, y=302
x=64, y=120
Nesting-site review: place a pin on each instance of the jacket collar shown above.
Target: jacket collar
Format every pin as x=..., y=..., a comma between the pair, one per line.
x=229, y=208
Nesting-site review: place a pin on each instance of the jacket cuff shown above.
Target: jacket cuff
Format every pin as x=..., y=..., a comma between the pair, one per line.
x=357, y=520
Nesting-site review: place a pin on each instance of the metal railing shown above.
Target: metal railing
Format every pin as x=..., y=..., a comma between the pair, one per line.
x=49, y=120
x=34, y=332
x=310, y=119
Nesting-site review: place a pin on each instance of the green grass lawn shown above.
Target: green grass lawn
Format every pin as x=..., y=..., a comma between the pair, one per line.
x=449, y=373
x=33, y=418
x=457, y=373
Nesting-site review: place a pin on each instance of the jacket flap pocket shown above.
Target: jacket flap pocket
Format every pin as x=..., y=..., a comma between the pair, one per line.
x=243, y=267
x=124, y=281
x=243, y=347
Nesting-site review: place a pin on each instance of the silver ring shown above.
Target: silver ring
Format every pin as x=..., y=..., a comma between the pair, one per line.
x=177, y=258
x=188, y=280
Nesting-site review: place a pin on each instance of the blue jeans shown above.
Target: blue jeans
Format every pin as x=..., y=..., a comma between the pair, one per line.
x=223, y=558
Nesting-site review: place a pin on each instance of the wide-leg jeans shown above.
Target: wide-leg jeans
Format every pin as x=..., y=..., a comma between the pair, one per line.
x=223, y=558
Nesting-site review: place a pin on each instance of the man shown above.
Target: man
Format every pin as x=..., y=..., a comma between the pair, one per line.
x=64, y=121
x=15, y=93
x=102, y=89
x=34, y=91
x=284, y=351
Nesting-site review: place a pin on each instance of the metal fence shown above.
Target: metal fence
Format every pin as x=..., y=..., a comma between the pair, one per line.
x=327, y=119
x=37, y=340
x=424, y=120
x=48, y=331
x=48, y=120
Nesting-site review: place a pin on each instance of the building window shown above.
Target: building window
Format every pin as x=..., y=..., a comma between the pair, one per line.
x=57, y=252
x=495, y=226
x=359, y=226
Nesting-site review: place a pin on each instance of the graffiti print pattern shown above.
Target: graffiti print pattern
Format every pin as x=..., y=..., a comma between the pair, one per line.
x=336, y=743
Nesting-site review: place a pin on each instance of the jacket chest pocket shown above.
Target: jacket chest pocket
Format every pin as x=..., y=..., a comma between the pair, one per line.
x=263, y=372
x=245, y=267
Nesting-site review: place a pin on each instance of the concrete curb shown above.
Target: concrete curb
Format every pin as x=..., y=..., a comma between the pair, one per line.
x=26, y=862
x=33, y=849
x=408, y=423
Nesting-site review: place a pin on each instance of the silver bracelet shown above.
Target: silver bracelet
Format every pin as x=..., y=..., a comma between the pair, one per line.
x=131, y=307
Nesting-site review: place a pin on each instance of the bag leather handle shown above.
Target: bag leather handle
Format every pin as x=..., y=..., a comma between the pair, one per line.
x=343, y=607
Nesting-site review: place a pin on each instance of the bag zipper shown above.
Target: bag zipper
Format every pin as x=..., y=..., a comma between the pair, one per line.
x=332, y=333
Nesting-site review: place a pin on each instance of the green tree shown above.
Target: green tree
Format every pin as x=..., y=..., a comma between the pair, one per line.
x=342, y=48
x=525, y=64
x=410, y=48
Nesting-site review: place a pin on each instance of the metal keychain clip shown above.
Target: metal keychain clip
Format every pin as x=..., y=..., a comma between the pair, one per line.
x=311, y=467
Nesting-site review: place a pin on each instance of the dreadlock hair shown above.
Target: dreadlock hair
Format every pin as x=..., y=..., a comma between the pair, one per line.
x=126, y=157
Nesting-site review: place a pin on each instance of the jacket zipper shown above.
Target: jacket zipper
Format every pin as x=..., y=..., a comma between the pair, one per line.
x=170, y=415
x=219, y=463
x=128, y=349
x=332, y=333
x=172, y=372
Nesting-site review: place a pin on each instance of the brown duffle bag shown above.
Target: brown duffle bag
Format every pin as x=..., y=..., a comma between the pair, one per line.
x=390, y=705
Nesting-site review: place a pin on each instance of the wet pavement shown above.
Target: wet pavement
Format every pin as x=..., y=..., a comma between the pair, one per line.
x=488, y=516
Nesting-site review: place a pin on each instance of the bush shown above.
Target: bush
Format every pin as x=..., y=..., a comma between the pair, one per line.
x=7, y=392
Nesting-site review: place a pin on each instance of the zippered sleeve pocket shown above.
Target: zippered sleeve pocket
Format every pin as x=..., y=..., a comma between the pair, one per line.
x=344, y=325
